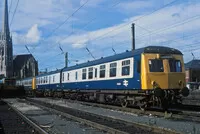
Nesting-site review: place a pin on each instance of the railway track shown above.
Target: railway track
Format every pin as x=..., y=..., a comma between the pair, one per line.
x=183, y=112
x=13, y=122
x=109, y=124
x=49, y=120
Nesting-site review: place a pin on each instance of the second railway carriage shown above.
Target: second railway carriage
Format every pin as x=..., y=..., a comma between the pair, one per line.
x=151, y=75
x=28, y=84
x=48, y=83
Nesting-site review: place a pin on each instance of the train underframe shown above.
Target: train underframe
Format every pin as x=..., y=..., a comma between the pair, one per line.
x=11, y=91
x=144, y=99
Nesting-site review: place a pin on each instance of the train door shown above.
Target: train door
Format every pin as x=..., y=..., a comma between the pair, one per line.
x=137, y=72
x=49, y=83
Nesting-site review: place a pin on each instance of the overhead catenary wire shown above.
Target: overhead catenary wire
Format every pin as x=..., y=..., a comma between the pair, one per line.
x=90, y=53
x=73, y=31
x=27, y=49
x=11, y=22
x=128, y=23
x=172, y=26
x=10, y=7
x=136, y=19
x=55, y=29
x=174, y=40
x=87, y=24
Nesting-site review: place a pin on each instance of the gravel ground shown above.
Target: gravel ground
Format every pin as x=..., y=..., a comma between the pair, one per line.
x=52, y=123
x=180, y=126
x=11, y=123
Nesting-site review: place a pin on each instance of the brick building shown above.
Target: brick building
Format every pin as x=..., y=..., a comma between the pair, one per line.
x=24, y=66
x=192, y=70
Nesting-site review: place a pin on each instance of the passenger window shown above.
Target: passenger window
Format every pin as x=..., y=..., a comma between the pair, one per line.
x=175, y=65
x=156, y=65
x=84, y=71
x=53, y=78
x=102, y=71
x=68, y=76
x=125, y=67
x=95, y=75
x=113, y=69
x=63, y=76
x=90, y=73
x=76, y=75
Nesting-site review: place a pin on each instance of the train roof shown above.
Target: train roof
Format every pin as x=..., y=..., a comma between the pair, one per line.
x=28, y=78
x=49, y=73
x=127, y=54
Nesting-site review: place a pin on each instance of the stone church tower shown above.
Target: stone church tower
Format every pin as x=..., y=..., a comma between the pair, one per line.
x=6, y=48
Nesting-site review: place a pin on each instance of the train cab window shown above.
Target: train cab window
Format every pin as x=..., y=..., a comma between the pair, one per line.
x=125, y=67
x=156, y=65
x=63, y=76
x=113, y=69
x=175, y=65
x=90, y=73
x=76, y=75
x=84, y=72
x=102, y=71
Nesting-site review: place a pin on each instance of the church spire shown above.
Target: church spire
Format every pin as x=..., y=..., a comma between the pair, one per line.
x=5, y=27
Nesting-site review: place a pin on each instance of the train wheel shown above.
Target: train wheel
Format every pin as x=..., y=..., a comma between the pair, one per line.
x=124, y=103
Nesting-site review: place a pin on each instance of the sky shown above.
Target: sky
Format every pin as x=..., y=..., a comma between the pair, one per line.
x=50, y=28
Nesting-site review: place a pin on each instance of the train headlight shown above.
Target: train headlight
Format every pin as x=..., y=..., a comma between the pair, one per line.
x=153, y=83
x=180, y=82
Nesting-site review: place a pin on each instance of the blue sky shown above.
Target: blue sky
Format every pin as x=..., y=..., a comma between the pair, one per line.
x=100, y=26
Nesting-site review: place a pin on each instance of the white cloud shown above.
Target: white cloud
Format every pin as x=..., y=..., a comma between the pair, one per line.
x=33, y=34
x=132, y=6
x=48, y=14
x=120, y=34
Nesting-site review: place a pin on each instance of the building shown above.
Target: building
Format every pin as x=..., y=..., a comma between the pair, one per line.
x=25, y=66
x=192, y=70
x=6, y=48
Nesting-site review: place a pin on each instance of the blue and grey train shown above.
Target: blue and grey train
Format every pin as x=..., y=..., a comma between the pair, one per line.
x=149, y=76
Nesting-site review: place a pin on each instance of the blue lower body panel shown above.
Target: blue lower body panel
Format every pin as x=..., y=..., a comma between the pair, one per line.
x=125, y=84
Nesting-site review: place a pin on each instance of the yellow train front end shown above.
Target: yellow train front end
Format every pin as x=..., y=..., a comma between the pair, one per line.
x=164, y=76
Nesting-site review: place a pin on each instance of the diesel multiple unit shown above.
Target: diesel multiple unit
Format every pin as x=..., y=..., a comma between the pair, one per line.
x=149, y=76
